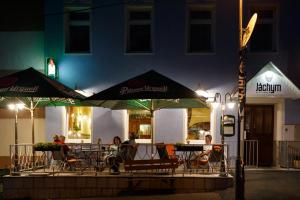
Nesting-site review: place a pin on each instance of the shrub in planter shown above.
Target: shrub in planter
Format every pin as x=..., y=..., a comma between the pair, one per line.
x=48, y=146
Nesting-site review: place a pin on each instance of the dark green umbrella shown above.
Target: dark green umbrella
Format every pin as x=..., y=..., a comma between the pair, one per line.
x=149, y=91
x=35, y=89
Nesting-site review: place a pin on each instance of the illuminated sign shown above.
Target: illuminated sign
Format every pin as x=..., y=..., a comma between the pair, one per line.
x=268, y=86
x=270, y=82
x=51, y=68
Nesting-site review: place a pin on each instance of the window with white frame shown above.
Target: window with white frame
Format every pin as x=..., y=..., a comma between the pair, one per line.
x=198, y=123
x=139, y=21
x=200, y=29
x=139, y=125
x=77, y=30
x=264, y=37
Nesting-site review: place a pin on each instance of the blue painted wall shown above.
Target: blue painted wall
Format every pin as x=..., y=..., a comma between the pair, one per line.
x=22, y=49
x=108, y=63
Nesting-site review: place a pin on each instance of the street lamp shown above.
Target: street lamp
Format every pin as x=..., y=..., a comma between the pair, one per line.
x=244, y=36
x=16, y=107
x=230, y=104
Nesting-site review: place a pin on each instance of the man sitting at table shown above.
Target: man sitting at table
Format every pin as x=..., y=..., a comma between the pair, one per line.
x=207, y=148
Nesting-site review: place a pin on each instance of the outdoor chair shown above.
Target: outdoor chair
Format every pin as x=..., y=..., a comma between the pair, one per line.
x=60, y=161
x=215, y=157
x=213, y=161
x=166, y=151
x=126, y=153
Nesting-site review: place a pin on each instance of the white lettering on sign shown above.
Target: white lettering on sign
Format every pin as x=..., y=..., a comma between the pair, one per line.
x=23, y=89
x=146, y=88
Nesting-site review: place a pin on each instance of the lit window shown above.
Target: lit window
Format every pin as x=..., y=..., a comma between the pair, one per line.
x=139, y=30
x=198, y=123
x=77, y=30
x=139, y=124
x=200, y=30
x=79, y=123
x=264, y=35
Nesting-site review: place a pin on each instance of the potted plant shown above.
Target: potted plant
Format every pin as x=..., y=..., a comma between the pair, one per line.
x=47, y=146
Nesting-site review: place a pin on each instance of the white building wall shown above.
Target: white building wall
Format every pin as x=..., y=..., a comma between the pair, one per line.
x=7, y=133
x=170, y=126
x=108, y=124
x=54, y=121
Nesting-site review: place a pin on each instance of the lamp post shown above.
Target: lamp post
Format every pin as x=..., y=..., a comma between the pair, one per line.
x=244, y=36
x=230, y=105
x=16, y=107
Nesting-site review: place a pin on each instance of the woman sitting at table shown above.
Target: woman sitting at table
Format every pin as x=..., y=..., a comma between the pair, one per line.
x=113, y=158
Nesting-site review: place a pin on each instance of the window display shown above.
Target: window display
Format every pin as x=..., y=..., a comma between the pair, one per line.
x=198, y=123
x=140, y=124
x=79, y=122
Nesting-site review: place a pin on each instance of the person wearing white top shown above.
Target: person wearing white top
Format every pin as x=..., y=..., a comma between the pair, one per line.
x=206, y=148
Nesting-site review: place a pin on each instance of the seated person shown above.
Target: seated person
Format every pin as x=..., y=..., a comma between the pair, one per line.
x=126, y=151
x=113, y=158
x=56, y=139
x=65, y=147
x=202, y=158
x=206, y=148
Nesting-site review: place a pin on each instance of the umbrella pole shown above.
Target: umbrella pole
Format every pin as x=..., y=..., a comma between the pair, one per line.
x=16, y=142
x=32, y=133
x=152, y=129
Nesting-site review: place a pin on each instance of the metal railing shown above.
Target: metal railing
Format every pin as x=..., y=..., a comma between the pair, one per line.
x=289, y=154
x=100, y=158
x=251, y=153
x=23, y=158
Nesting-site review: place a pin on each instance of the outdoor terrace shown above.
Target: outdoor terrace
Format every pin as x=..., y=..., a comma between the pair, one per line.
x=91, y=174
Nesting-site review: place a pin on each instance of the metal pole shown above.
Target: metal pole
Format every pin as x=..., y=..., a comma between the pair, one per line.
x=16, y=141
x=239, y=173
x=32, y=133
x=222, y=168
x=32, y=120
x=152, y=128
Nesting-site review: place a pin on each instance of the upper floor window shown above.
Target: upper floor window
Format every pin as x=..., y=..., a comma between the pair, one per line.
x=139, y=29
x=77, y=30
x=200, y=30
x=264, y=36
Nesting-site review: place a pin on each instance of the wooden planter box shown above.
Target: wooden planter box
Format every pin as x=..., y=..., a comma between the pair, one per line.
x=297, y=164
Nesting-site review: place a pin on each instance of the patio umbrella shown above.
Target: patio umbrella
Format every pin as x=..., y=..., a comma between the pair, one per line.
x=149, y=91
x=35, y=89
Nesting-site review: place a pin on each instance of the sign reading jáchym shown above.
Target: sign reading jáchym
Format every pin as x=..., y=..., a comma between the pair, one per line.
x=146, y=88
x=268, y=86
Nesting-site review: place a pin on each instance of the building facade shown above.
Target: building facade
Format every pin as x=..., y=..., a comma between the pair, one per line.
x=97, y=44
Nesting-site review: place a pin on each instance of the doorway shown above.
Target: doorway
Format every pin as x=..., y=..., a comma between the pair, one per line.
x=259, y=125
